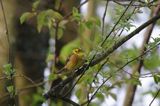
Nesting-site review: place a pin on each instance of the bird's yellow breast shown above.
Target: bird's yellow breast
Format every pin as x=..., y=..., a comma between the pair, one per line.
x=75, y=61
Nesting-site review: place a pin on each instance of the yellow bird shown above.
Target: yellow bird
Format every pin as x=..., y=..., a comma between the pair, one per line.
x=75, y=60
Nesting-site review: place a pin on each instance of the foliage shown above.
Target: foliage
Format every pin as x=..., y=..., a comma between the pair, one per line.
x=99, y=81
x=9, y=73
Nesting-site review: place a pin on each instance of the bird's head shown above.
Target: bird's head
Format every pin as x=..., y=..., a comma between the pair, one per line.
x=78, y=51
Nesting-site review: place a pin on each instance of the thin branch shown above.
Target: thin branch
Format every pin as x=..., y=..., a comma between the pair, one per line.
x=31, y=86
x=143, y=4
x=100, y=68
x=61, y=84
x=25, y=77
x=136, y=76
x=70, y=78
x=101, y=57
x=104, y=16
x=127, y=20
x=98, y=90
x=131, y=89
x=154, y=97
x=116, y=23
x=136, y=58
x=69, y=14
x=120, y=69
x=123, y=40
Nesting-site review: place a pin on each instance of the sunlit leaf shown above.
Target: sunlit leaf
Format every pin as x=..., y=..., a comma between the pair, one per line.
x=35, y=5
x=10, y=89
x=156, y=78
x=114, y=96
x=100, y=96
x=47, y=18
x=52, y=77
x=60, y=33
x=26, y=16
x=152, y=61
x=8, y=71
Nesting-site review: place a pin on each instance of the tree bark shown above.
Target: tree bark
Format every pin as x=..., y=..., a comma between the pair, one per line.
x=7, y=17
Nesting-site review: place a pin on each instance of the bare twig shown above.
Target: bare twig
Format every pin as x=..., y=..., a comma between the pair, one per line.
x=116, y=23
x=31, y=86
x=69, y=14
x=25, y=77
x=154, y=97
x=97, y=90
x=103, y=18
x=100, y=69
x=123, y=40
x=127, y=20
x=141, y=3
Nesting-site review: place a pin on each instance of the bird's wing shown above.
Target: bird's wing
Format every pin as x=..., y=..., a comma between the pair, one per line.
x=63, y=69
x=68, y=58
x=72, y=62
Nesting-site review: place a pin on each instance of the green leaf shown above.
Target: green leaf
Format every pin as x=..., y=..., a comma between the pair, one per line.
x=35, y=5
x=135, y=81
x=47, y=18
x=52, y=77
x=52, y=32
x=98, y=22
x=128, y=55
x=152, y=61
x=63, y=23
x=54, y=14
x=114, y=96
x=81, y=27
x=26, y=16
x=89, y=24
x=92, y=22
x=41, y=20
x=38, y=98
x=60, y=33
x=76, y=15
x=156, y=78
x=75, y=10
x=155, y=42
x=10, y=89
x=100, y=96
x=8, y=71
